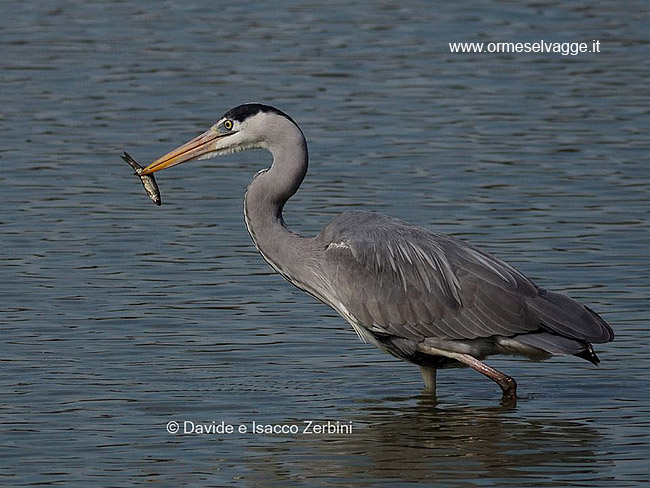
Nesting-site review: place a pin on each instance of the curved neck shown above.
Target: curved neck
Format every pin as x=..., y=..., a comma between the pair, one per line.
x=263, y=203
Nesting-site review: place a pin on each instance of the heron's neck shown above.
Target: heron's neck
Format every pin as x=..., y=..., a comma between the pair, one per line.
x=265, y=198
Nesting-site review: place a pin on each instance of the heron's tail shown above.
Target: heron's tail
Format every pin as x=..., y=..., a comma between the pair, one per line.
x=570, y=327
x=564, y=316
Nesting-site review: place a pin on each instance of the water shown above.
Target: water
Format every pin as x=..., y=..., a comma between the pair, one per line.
x=119, y=317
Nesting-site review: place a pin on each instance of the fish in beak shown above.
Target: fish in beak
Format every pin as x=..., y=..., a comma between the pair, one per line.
x=148, y=181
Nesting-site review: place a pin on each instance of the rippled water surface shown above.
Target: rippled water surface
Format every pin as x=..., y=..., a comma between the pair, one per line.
x=119, y=317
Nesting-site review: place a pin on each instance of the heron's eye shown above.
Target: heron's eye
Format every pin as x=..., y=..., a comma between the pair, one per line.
x=228, y=125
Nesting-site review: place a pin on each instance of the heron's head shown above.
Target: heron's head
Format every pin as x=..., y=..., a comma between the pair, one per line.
x=248, y=126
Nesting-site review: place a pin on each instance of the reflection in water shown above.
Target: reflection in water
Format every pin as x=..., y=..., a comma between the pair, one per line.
x=439, y=444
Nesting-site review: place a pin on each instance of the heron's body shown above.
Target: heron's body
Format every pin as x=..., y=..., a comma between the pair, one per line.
x=424, y=297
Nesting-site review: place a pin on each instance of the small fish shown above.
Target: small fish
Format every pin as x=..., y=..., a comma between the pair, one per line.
x=148, y=181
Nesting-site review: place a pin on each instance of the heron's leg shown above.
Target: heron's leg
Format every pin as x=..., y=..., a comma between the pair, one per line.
x=508, y=385
x=429, y=377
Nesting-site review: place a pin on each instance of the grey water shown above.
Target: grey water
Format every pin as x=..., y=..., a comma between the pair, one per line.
x=119, y=317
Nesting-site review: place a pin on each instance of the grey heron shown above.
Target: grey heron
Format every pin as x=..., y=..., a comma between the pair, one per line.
x=422, y=296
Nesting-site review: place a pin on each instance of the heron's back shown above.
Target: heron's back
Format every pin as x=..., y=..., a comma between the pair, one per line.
x=404, y=283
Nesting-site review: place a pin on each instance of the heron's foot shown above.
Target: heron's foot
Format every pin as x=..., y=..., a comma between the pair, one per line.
x=509, y=389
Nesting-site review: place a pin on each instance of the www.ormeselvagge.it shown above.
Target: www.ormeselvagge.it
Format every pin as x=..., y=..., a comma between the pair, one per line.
x=563, y=48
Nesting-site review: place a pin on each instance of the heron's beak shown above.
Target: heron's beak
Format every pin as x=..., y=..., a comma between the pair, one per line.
x=198, y=146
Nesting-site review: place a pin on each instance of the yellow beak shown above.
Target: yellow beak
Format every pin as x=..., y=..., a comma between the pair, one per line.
x=198, y=146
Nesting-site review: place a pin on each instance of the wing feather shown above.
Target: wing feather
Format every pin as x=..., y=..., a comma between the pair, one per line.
x=416, y=284
x=407, y=282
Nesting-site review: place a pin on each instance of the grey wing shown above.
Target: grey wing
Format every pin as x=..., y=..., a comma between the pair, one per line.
x=404, y=281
